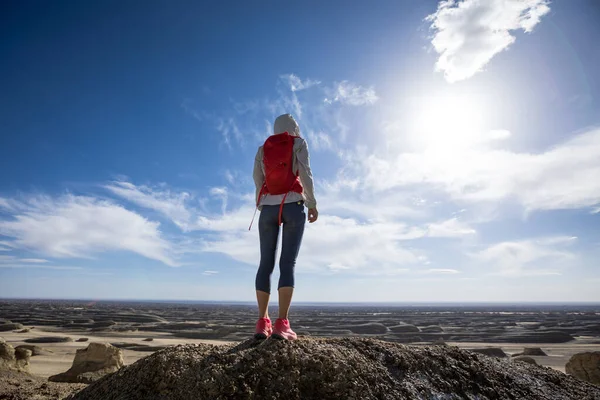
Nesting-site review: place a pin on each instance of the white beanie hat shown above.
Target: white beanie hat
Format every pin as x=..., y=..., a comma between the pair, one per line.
x=286, y=123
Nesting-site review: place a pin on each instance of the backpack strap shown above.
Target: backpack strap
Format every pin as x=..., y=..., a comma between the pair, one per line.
x=260, y=194
x=281, y=208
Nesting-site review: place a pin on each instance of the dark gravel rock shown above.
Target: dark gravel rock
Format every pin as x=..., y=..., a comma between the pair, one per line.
x=137, y=347
x=22, y=386
x=346, y=368
x=82, y=339
x=531, y=351
x=534, y=337
x=525, y=359
x=491, y=352
x=49, y=339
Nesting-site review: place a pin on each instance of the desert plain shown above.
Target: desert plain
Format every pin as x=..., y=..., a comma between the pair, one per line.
x=60, y=327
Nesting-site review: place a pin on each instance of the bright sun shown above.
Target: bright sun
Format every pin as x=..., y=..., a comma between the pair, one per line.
x=444, y=121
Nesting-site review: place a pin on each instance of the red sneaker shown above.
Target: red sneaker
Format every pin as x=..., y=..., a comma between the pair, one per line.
x=263, y=328
x=283, y=331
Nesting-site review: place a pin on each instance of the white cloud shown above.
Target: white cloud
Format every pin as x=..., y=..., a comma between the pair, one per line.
x=544, y=256
x=349, y=93
x=469, y=33
x=77, y=226
x=177, y=207
x=442, y=271
x=450, y=229
x=210, y=273
x=334, y=244
x=564, y=177
x=296, y=84
x=170, y=204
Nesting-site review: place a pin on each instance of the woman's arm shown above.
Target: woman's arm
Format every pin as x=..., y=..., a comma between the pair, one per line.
x=258, y=174
x=306, y=178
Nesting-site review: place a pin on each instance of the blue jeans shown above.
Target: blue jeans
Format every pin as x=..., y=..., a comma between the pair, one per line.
x=293, y=218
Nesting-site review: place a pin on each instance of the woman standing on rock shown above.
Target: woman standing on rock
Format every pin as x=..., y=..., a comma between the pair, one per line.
x=284, y=185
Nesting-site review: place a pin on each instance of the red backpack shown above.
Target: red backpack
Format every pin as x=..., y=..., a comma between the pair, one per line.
x=278, y=159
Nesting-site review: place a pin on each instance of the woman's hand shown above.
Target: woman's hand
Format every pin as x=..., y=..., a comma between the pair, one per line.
x=313, y=214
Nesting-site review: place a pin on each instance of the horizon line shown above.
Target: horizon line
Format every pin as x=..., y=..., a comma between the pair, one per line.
x=250, y=302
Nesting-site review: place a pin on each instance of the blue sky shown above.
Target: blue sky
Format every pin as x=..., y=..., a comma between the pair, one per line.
x=455, y=147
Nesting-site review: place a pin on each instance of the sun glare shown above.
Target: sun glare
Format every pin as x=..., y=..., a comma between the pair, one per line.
x=447, y=122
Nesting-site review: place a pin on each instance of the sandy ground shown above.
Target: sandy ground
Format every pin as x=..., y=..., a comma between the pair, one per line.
x=558, y=354
x=63, y=354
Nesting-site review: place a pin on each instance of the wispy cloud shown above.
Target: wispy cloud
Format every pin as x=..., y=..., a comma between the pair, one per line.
x=469, y=33
x=296, y=84
x=14, y=259
x=188, y=106
x=222, y=194
x=170, y=204
x=349, y=93
x=230, y=132
x=41, y=266
x=78, y=226
x=543, y=256
x=320, y=140
x=210, y=273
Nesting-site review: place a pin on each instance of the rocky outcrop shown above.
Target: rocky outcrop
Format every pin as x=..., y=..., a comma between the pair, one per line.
x=91, y=364
x=13, y=360
x=35, y=350
x=491, y=352
x=21, y=386
x=7, y=353
x=10, y=327
x=585, y=366
x=343, y=368
x=22, y=357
